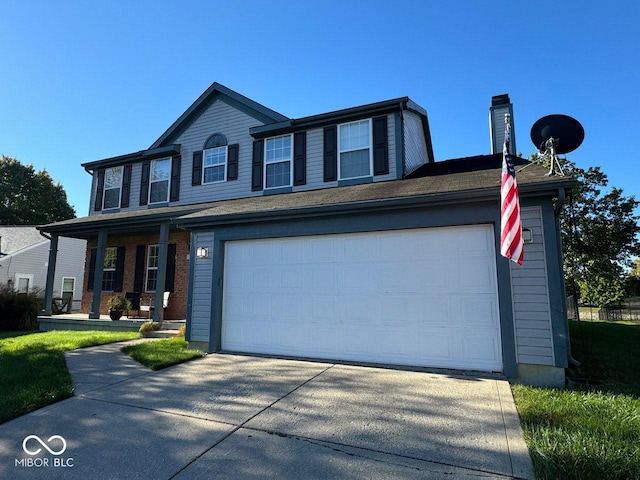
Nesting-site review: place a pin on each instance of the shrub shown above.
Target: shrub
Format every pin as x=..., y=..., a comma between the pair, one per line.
x=181, y=331
x=19, y=311
x=118, y=303
x=147, y=327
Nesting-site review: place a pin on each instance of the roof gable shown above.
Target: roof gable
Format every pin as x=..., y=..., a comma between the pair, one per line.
x=217, y=92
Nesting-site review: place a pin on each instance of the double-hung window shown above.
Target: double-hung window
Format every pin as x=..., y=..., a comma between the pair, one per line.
x=112, y=187
x=214, y=165
x=277, y=165
x=159, y=176
x=109, y=268
x=152, y=267
x=354, y=147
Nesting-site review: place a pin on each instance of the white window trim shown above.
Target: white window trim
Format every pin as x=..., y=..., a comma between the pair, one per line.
x=109, y=269
x=226, y=163
x=168, y=180
x=146, y=270
x=290, y=160
x=104, y=189
x=73, y=293
x=340, y=152
x=28, y=276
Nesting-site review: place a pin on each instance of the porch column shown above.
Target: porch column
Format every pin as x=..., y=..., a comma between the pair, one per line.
x=97, y=276
x=163, y=246
x=51, y=272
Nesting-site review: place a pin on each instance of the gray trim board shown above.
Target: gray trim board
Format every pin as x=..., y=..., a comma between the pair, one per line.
x=398, y=120
x=407, y=218
x=129, y=158
x=354, y=181
x=190, y=280
x=214, y=92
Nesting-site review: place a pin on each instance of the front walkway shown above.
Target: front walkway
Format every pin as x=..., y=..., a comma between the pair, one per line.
x=232, y=416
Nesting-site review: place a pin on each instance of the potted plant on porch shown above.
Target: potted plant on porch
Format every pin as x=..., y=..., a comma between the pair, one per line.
x=117, y=305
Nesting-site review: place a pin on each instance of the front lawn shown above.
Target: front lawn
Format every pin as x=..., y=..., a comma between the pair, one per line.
x=589, y=432
x=33, y=372
x=161, y=353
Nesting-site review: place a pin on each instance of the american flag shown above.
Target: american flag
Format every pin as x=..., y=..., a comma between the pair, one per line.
x=511, y=244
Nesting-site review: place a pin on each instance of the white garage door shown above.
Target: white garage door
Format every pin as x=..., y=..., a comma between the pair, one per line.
x=424, y=297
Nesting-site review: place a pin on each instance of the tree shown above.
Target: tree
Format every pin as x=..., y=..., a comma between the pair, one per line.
x=28, y=197
x=600, y=237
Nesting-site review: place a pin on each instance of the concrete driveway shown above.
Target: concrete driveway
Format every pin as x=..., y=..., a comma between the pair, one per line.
x=243, y=417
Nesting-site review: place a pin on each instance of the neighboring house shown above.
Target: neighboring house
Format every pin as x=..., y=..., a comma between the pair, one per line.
x=24, y=265
x=333, y=236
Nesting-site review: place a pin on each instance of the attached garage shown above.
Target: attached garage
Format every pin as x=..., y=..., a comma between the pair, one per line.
x=422, y=297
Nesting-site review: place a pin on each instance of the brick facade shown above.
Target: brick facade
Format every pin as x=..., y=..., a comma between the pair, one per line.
x=177, y=309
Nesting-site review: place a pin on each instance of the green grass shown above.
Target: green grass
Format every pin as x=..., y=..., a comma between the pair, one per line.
x=33, y=372
x=589, y=432
x=161, y=353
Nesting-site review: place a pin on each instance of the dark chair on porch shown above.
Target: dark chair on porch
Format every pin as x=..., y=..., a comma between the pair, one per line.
x=134, y=298
x=62, y=304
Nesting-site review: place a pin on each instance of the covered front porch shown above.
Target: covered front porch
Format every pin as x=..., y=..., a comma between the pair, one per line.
x=81, y=321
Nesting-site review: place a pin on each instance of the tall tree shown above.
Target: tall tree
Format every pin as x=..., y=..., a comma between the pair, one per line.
x=600, y=237
x=28, y=197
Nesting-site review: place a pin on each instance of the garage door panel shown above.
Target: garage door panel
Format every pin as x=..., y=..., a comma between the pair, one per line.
x=407, y=297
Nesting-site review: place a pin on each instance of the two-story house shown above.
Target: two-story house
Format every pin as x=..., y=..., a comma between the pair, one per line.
x=335, y=236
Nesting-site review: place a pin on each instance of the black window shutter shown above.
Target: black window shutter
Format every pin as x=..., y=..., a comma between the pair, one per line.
x=99, y=191
x=380, y=146
x=330, y=153
x=117, y=284
x=196, y=173
x=174, y=185
x=171, y=268
x=144, y=183
x=92, y=269
x=232, y=162
x=138, y=273
x=257, y=165
x=300, y=158
x=126, y=186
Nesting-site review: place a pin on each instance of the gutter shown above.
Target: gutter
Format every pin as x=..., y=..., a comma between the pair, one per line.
x=557, y=211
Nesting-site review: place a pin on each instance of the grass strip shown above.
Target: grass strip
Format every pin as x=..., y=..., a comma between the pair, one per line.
x=33, y=372
x=159, y=354
x=588, y=432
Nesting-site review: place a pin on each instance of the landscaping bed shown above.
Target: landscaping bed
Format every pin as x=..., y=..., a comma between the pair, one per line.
x=160, y=354
x=592, y=429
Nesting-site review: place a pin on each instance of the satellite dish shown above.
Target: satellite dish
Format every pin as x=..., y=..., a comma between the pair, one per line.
x=566, y=130
x=556, y=134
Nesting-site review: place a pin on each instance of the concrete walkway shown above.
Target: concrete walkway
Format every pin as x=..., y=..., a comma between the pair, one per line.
x=232, y=416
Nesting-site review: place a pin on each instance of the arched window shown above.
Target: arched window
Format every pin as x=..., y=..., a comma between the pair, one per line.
x=215, y=140
x=214, y=159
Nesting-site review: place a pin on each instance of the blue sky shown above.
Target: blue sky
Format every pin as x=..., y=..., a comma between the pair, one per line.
x=83, y=80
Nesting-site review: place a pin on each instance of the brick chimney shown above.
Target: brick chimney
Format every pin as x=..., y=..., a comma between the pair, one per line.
x=500, y=104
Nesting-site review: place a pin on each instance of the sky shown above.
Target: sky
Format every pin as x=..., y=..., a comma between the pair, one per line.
x=85, y=80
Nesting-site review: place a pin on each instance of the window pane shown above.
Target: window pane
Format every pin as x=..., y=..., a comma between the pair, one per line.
x=23, y=285
x=152, y=280
x=112, y=198
x=110, y=255
x=160, y=170
x=214, y=174
x=279, y=174
x=278, y=149
x=159, y=192
x=215, y=156
x=354, y=135
x=67, y=285
x=355, y=164
x=112, y=177
x=108, y=280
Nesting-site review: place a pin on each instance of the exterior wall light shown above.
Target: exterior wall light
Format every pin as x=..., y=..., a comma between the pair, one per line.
x=527, y=235
x=202, y=252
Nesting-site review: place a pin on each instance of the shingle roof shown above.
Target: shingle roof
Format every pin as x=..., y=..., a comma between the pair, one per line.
x=459, y=180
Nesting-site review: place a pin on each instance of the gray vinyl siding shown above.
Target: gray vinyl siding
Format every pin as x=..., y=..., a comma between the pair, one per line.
x=202, y=289
x=415, y=145
x=315, y=158
x=530, y=290
x=234, y=125
x=33, y=260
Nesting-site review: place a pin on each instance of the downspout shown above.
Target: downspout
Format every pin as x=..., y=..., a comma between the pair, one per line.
x=558, y=209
